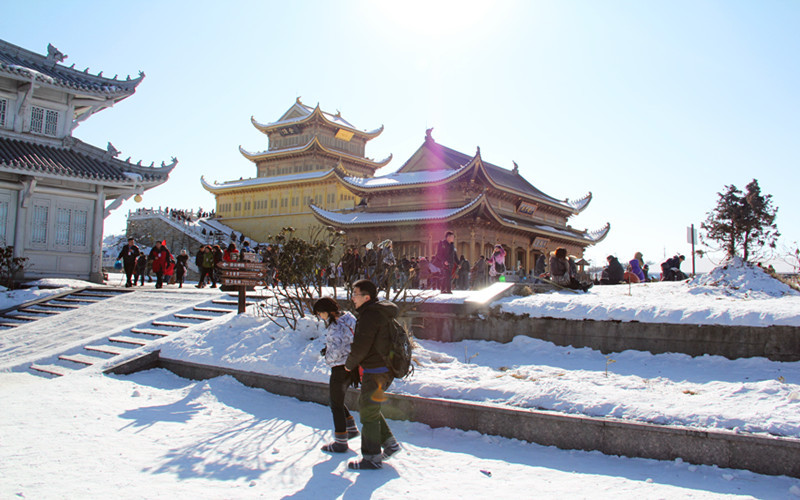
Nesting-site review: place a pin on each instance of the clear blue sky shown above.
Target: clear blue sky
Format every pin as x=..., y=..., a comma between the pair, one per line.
x=652, y=106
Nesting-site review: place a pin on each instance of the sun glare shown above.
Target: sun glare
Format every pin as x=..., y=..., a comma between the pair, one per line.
x=433, y=20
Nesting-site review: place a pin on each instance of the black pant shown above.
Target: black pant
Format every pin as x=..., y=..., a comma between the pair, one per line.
x=340, y=380
x=159, y=279
x=207, y=272
x=128, y=272
x=446, y=280
x=374, y=430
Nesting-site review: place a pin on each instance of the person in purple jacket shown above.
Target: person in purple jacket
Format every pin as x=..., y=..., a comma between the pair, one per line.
x=637, y=266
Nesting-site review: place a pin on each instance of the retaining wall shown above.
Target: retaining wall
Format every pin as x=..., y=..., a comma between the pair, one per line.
x=761, y=454
x=778, y=343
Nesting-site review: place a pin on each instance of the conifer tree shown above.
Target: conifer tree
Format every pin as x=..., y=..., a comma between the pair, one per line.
x=743, y=222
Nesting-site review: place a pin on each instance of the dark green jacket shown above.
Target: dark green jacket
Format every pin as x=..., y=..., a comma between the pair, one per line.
x=371, y=339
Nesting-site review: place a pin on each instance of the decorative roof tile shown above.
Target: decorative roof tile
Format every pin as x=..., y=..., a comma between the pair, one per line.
x=79, y=160
x=20, y=62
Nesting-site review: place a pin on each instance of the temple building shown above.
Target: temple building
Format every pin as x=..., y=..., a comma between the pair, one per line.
x=439, y=189
x=56, y=190
x=305, y=148
x=315, y=172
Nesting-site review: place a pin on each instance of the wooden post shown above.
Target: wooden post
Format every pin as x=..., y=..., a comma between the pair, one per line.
x=242, y=296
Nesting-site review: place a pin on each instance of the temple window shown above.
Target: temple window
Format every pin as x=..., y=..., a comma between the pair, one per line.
x=39, y=224
x=3, y=108
x=44, y=121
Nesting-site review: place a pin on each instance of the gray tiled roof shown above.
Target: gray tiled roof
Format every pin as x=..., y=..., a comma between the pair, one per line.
x=81, y=161
x=20, y=62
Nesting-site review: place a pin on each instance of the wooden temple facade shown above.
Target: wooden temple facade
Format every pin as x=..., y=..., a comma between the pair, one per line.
x=436, y=190
x=56, y=190
x=305, y=147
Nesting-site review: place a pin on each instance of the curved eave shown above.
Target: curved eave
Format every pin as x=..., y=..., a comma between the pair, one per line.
x=580, y=204
x=365, y=190
x=313, y=144
x=316, y=113
x=266, y=182
x=372, y=219
x=527, y=196
x=563, y=234
x=146, y=183
x=599, y=235
x=119, y=89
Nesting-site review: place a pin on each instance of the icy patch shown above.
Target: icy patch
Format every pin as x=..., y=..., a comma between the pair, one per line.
x=739, y=279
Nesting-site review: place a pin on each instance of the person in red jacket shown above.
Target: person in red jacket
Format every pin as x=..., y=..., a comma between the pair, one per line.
x=230, y=254
x=161, y=258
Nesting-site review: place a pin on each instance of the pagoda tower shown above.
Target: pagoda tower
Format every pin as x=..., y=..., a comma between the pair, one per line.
x=306, y=149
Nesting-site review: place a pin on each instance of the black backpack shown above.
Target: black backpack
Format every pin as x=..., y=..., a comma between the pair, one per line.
x=399, y=358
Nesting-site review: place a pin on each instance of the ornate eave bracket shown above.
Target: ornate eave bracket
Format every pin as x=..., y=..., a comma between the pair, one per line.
x=122, y=198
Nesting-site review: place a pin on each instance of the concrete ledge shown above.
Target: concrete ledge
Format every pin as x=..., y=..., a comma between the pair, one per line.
x=761, y=454
x=777, y=343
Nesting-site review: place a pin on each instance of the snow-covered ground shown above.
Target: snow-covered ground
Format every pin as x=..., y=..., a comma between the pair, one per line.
x=732, y=294
x=153, y=434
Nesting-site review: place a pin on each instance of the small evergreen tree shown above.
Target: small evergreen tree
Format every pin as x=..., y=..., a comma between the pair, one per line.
x=742, y=222
x=10, y=266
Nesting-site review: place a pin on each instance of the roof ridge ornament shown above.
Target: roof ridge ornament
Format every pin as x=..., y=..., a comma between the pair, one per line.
x=516, y=167
x=429, y=135
x=112, y=151
x=54, y=55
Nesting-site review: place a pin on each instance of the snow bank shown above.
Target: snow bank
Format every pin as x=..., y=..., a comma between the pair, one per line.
x=736, y=278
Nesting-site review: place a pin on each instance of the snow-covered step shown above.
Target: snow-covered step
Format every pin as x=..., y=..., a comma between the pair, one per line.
x=51, y=369
x=106, y=349
x=11, y=324
x=37, y=311
x=73, y=298
x=171, y=324
x=124, y=339
x=60, y=306
x=24, y=317
x=193, y=316
x=95, y=295
x=150, y=331
x=214, y=309
x=82, y=359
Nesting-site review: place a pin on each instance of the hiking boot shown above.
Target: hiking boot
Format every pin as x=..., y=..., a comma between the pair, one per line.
x=390, y=447
x=352, y=429
x=364, y=464
x=335, y=447
x=339, y=444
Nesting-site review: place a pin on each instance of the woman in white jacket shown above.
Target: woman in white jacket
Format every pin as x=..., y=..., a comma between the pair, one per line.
x=338, y=338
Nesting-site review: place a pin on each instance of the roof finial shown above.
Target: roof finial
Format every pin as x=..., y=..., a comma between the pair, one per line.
x=429, y=135
x=112, y=150
x=298, y=100
x=478, y=152
x=516, y=167
x=54, y=55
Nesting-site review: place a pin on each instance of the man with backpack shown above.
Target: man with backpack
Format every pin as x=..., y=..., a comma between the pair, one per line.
x=371, y=348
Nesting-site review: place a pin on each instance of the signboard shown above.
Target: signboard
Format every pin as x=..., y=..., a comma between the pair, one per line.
x=526, y=208
x=261, y=274
x=540, y=243
x=241, y=265
x=691, y=235
x=241, y=282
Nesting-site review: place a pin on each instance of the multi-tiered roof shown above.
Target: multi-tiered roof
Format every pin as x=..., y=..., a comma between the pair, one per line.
x=450, y=186
x=61, y=155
